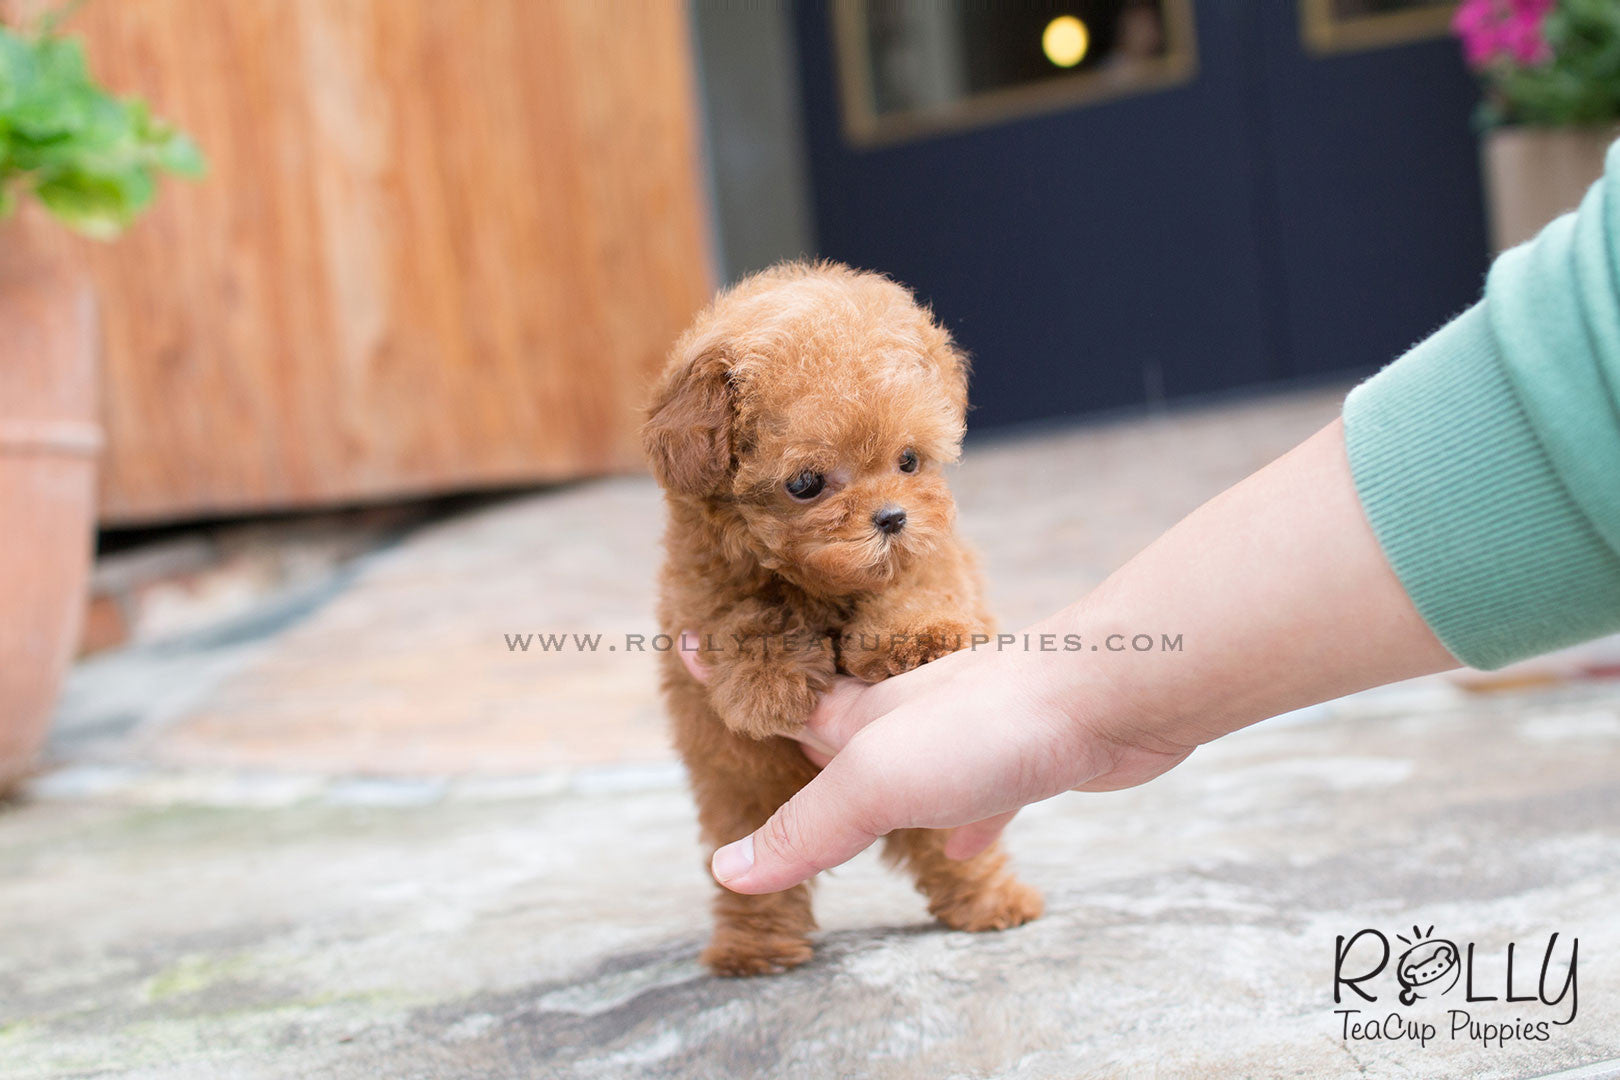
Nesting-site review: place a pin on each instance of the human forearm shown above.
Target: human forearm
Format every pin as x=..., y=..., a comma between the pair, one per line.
x=1479, y=481
x=1280, y=595
x=1487, y=456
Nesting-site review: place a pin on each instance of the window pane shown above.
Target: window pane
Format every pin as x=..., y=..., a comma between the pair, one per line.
x=1350, y=9
x=1358, y=24
x=934, y=63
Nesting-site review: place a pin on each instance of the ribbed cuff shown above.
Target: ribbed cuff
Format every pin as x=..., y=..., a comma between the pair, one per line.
x=1500, y=561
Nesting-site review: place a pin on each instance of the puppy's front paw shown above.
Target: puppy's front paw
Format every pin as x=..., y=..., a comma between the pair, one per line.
x=761, y=700
x=1002, y=905
x=733, y=952
x=875, y=657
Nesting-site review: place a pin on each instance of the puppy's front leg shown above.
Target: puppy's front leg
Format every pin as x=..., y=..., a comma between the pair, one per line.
x=766, y=671
x=892, y=635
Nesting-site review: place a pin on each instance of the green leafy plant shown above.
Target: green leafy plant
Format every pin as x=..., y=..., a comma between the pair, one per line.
x=1551, y=63
x=92, y=159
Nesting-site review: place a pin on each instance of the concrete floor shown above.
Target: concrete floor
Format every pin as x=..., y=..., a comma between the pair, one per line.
x=353, y=834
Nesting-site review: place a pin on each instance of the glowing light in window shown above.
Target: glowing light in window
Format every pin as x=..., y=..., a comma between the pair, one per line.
x=1065, y=41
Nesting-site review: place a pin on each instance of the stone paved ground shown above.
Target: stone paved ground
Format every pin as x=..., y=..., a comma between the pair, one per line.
x=351, y=834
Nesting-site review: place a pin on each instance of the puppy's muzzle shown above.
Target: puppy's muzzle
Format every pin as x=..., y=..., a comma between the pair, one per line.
x=889, y=519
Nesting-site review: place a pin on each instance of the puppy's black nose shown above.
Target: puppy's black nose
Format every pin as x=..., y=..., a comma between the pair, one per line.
x=889, y=519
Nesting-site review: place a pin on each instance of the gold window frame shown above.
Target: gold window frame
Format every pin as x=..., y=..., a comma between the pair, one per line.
x=1326, y=33
x=864, y=127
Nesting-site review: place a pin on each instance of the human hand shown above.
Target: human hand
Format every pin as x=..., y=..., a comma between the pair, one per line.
x=1279, y=582
x=960, y=743
x=847, y=706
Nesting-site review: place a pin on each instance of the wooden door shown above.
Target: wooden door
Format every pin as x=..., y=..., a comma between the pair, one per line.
x=442, y=245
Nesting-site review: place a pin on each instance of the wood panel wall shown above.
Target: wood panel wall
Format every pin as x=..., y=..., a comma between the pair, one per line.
x=443, y=244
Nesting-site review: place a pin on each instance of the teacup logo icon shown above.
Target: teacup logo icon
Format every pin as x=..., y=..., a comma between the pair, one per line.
x=1428, y=968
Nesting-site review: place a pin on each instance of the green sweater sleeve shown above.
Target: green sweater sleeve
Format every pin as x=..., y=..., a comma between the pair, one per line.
x=1488, y=458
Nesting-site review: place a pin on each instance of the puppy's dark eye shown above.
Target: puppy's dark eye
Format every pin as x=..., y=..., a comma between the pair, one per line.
x=908, y=461
x=807, y=485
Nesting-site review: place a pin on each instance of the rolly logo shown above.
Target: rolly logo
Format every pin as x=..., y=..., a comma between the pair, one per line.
x=1527, y=989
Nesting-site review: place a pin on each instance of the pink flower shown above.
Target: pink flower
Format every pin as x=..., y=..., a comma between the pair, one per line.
x=1511, y=30
x=1475, y=24
x=1521, y=37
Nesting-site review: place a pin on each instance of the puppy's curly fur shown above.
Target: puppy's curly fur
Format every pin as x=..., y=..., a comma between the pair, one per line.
x=825, y=373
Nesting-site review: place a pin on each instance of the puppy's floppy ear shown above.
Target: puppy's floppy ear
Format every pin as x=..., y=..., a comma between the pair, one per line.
x=688, y=433
x=954, y=368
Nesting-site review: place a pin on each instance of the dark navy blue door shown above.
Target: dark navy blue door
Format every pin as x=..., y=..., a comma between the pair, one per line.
x=1373, y=172
x=1219, y=206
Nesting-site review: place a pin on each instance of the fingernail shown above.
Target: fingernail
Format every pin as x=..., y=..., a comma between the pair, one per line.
x=733, y=860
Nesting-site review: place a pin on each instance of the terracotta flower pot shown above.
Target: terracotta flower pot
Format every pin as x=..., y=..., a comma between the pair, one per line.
x=1532, y=175
x=49, y=440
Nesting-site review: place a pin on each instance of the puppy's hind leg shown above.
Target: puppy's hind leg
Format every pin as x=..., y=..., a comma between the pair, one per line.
x=755, y=935
x=980, y=893
x=760, y=935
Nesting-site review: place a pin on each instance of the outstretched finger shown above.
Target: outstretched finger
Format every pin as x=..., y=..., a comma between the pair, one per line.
x=850, y=704
x=827, y=823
